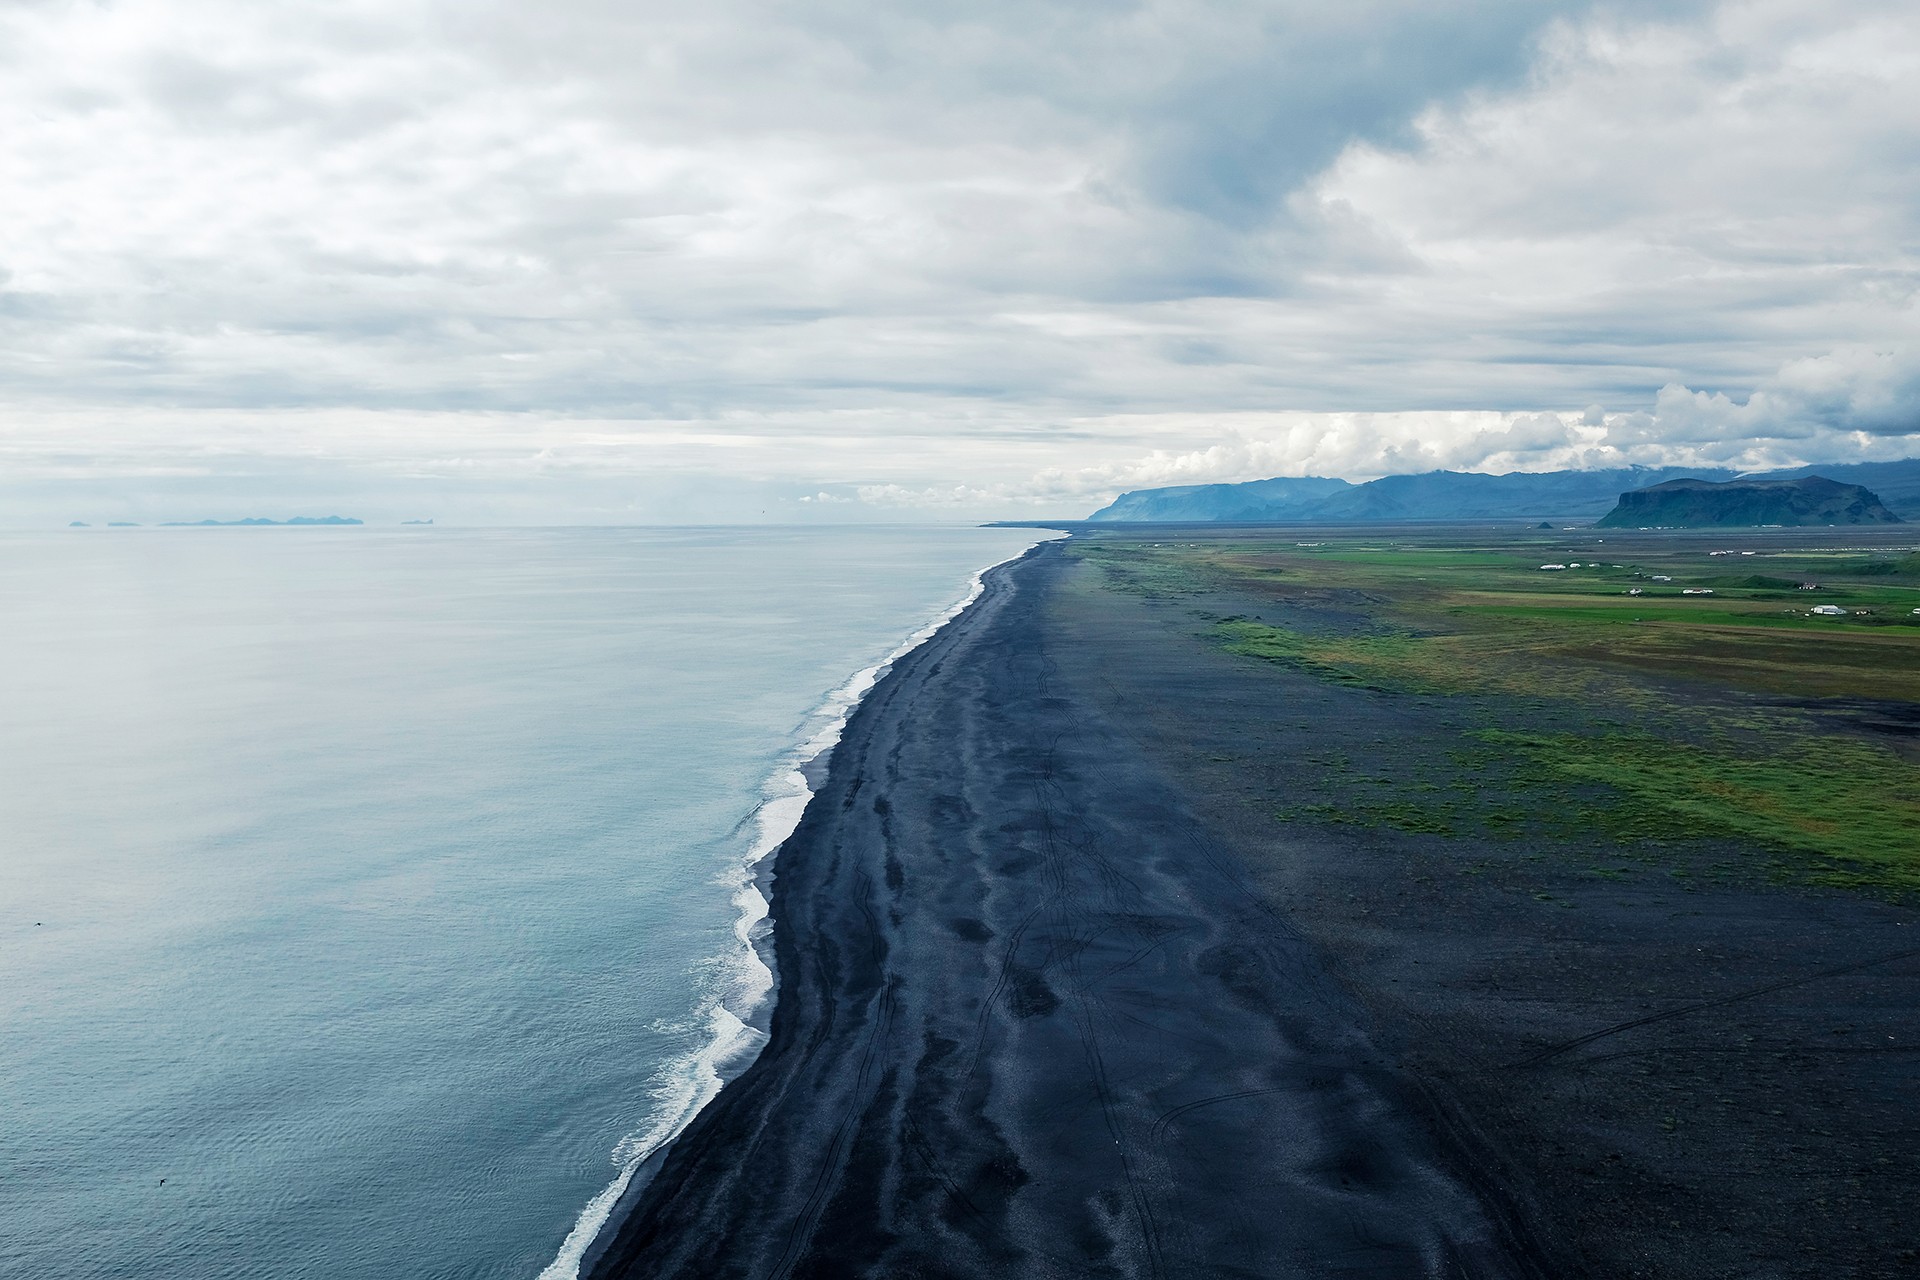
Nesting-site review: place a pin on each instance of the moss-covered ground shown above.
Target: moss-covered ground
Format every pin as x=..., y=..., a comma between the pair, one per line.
x=1650, y=689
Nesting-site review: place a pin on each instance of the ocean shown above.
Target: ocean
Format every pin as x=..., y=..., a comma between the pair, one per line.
x=371, y=900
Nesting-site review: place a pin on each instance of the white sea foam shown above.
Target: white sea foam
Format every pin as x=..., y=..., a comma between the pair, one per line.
x=746, y=981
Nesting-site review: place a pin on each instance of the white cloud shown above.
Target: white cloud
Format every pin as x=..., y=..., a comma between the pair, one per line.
x=1855, y=404
x=1675, y=202
x=918, y=255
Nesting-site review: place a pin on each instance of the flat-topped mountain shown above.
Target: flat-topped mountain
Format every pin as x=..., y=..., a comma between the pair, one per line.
x=1703, y=504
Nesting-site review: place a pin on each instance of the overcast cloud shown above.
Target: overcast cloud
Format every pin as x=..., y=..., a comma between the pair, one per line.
x=617, y=261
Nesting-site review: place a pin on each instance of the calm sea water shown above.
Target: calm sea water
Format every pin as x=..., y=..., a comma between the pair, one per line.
x=368, y=900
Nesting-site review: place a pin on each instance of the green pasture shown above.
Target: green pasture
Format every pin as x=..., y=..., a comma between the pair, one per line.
x=1855, y=805
x=1674, y=742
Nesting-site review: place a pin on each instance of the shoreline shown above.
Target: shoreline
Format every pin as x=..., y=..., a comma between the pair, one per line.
x=1069, y=986
x=894, y=1123
x=731, y=1049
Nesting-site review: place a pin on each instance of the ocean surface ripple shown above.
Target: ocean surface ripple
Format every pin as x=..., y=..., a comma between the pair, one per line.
x=374, y=901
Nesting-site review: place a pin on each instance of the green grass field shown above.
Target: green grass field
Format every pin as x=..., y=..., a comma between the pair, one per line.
x=1716, y=715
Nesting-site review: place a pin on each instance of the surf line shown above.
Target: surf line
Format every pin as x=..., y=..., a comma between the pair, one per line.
x=734, y=1013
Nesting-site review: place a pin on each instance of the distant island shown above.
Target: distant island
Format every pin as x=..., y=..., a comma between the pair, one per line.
x=427, y=521
x=1702, y=504
x=258, y=521
x=1463, y=495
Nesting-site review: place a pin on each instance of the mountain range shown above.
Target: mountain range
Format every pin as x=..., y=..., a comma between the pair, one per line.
x=1464, y=495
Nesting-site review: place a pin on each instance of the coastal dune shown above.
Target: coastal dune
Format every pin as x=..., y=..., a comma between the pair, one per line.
x=1033, y=1020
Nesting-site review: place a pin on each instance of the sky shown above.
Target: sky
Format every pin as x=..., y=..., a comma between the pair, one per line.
x=618, y=261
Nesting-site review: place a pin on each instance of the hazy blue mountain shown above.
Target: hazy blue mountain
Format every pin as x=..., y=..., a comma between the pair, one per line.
x=1254, y=500
x=1435, y=495
x=1458, y=495
x=1700, y=504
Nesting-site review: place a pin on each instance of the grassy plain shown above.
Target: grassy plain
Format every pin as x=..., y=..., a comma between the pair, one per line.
x=1651, y=689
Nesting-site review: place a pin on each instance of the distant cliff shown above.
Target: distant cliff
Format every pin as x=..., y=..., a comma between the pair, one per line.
x=1255, y=500
x=1461, y=495
x=1702, y=504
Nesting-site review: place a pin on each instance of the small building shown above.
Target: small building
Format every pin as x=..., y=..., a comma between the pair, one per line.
x=1829, y=611
x=1809, y=586
x=1696, y=591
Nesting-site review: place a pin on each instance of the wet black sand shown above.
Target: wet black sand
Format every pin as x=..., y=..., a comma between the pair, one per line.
x=1060, y=997
x=1034, y=1020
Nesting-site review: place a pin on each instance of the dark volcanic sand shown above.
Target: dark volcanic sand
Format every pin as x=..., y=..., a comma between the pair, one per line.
x=1672, y=1074
x=1034, y=1020
x=1061, y=997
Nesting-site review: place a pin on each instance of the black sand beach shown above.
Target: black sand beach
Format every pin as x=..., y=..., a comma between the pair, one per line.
x=1058, y=997
x=1033, y=1021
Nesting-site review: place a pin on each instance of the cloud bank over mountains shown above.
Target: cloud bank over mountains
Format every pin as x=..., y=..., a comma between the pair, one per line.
x=829, y=260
